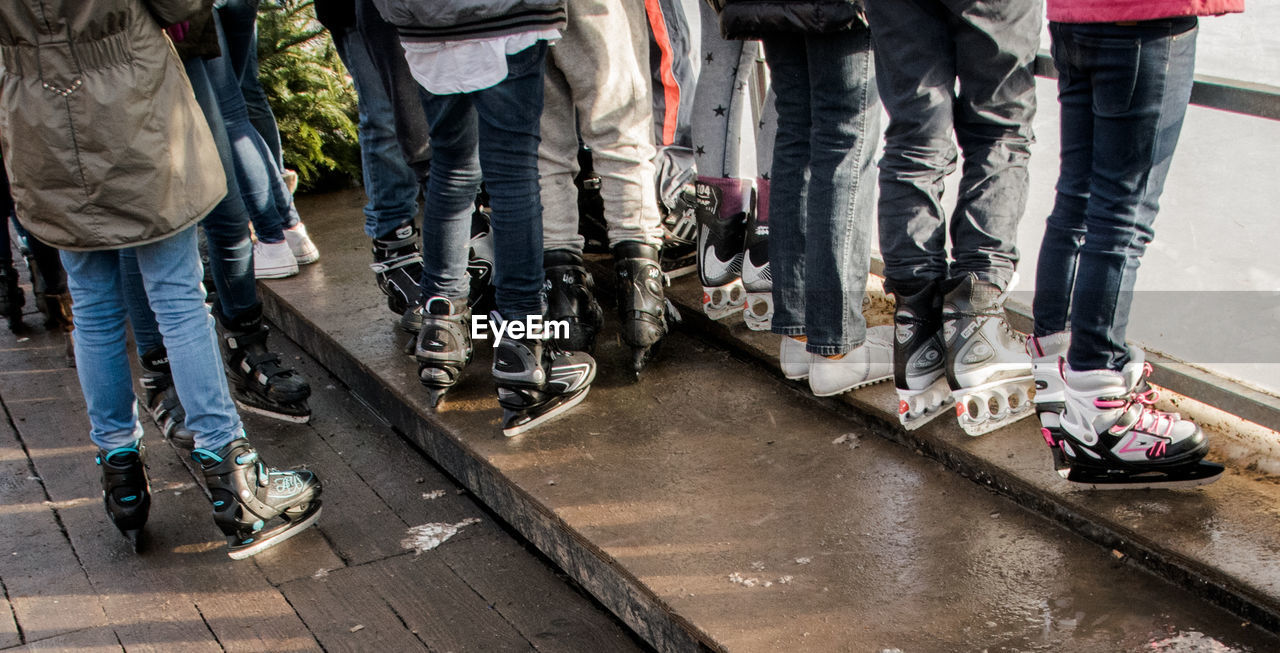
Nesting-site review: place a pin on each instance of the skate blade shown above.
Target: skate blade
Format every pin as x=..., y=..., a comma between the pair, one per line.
x=297, y=417
x=1202, y=473
x=525, y=423
x=135, y=538
x=275, y=536
x=435, y=396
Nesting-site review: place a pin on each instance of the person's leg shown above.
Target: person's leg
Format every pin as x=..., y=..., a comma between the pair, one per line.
x=845, y=124
x=1064, y=231
x=915, y=72
x=558, y=153
x=674, y=61
x=102, y=360
x=1140, y=99
x=998, y=41
x=450, y=195
x=240, y=20
x=614, y=109
x=388, y=181
x=387, y=55
x=789, y=68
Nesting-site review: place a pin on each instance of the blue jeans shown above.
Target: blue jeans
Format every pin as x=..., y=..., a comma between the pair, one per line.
x=240, y=21
x=390, y=184
x=822, y=185
x=1124, y=91
x=263, y=189
x=227, y=226
x=383, y=45
x=171, y=272
x=923, y=48
x=494, y=131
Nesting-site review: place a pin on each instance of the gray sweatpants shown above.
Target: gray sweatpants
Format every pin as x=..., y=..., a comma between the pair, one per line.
x=599, y=72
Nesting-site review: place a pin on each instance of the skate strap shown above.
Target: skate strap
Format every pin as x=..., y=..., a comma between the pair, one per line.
x=395, y=263
x=265, y=363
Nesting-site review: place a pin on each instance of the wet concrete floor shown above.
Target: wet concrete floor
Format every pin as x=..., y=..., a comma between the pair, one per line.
x=759, y=521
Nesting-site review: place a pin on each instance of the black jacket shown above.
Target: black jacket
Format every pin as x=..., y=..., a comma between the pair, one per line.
x=753, y=19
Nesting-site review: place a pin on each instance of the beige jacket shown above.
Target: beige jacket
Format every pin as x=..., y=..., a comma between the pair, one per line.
x=102, y=137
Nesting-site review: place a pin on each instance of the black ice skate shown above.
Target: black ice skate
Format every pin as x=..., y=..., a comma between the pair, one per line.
x=537, y=382
x=757, y=280
x=160, y=398
x=259, y=383
x=397, y=267
x=570, y=299
x=126, y=491
x=643, y=310
x=479, y=273
x=919, y=357
x=680, y=234
x=12, y=299
x=722, y=222
x=256, y=507
x=443, y=346
x=987, y=364
x=56, y=308
x=1112, y=438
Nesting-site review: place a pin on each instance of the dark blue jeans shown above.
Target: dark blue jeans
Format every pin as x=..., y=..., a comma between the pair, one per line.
x=390, y=184
x=822, y=185
x=265, y=194
x=494, y=132
x=925, y=50
x=1124, y=91
x=387, y=56
x=240, y=20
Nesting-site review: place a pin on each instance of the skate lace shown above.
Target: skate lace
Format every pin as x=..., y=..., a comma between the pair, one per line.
x=1151, y=421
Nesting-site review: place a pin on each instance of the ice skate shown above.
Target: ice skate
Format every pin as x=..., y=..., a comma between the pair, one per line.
x=870, y=363
x=480, y=261
x=126, y=491
x=643, y=310
x=1114, y=439
x=397, y=267
x=254, y=506
x=536, y=382
x=160, y=398
x=570, y=299
x=680, y=234
x=12, y=299
x=919, y=358
x=443, y=345
x=757, y=280
x=722, y=211
x=1048, y=355
x=259, y=383
x=987, y=365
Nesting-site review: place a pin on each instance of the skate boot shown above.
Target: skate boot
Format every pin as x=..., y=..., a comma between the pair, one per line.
x=160, y=398
x=443, y=345
x=57, y=317
x=919, y=357
x=722, y=223
x=254, y=506
x=1048, y=359
x=12, y=299
x=537, y=382
x=756, y=278
x=680, y=234
x=397, y=267
x=1114, y=439
x=259, y=383
x=987, y=364
x=868, y=364
x=569, y=299
x=643, y=309
x=126, y=492
x=480, y=260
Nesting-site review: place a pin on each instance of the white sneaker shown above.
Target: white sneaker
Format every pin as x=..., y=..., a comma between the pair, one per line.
x=300, y=244
x=273, y=260
x=794, y=359
x=868, y=364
